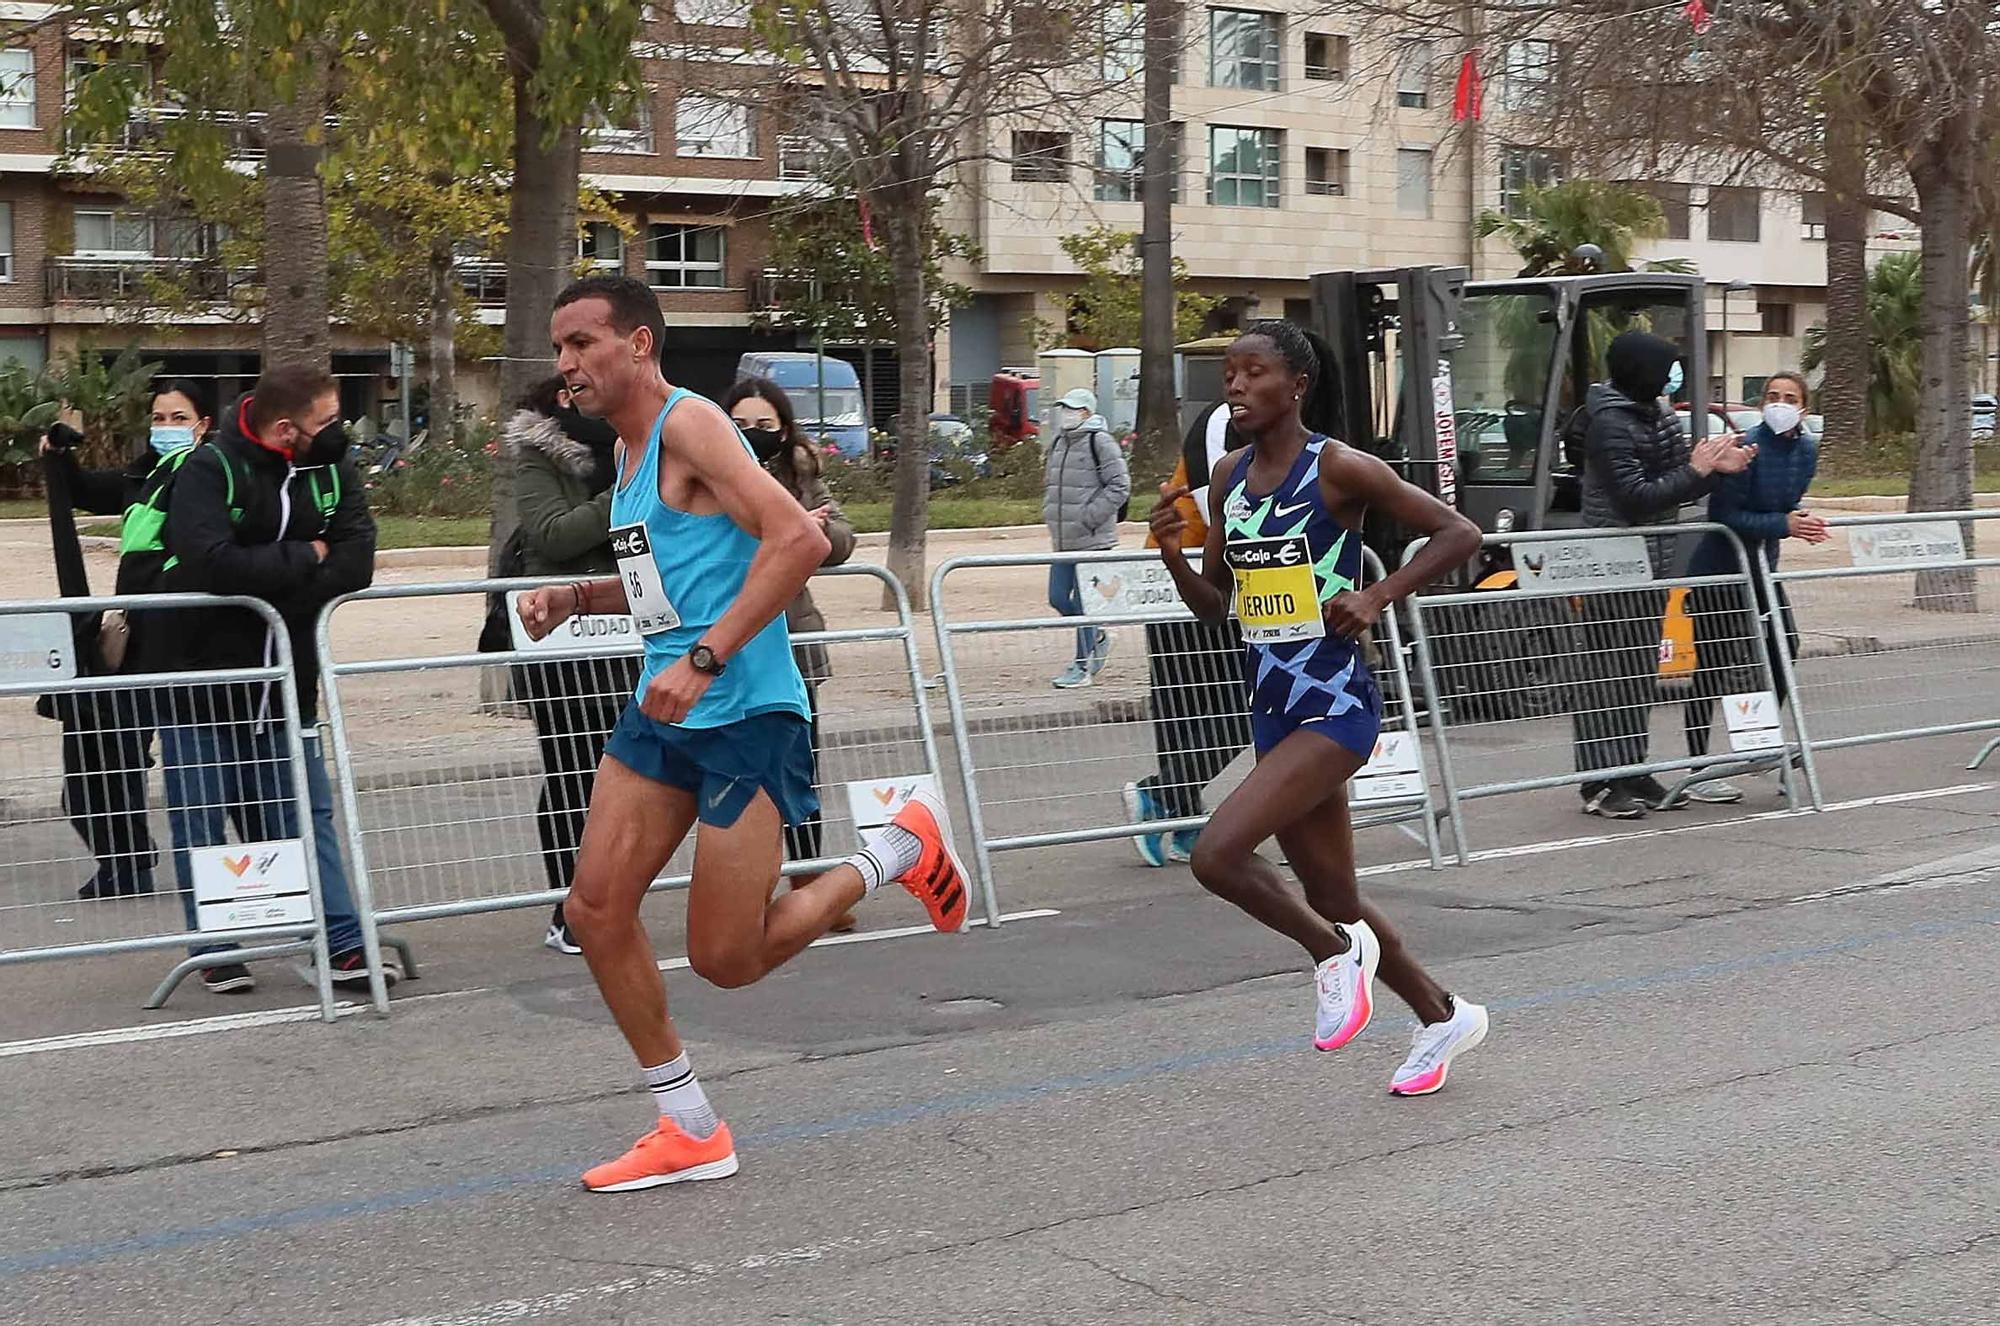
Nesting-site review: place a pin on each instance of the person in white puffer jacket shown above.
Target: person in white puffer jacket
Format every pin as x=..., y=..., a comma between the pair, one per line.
x=1085, y=487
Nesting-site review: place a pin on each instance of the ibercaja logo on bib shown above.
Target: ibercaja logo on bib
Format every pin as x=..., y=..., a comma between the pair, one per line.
x=630, y=542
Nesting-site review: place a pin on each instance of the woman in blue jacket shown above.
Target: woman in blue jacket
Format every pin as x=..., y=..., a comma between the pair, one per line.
x=1762, y=505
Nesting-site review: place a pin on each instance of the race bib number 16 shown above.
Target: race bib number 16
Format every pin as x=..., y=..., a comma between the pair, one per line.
x=652, y=612
x=1277, y=596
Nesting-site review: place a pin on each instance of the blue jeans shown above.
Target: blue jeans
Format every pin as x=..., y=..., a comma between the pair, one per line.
x=234, y=773
x=1067, y=599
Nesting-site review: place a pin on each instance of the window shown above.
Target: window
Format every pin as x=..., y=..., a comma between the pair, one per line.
x=1531, y=76
x=1777, y=319
x=1121, y=160
x=1734, y=215
x=705, y=127
x=709, y=13
x=632, y=137
x=684, y=257
x=6, y=241
x=17, y=88
x=1413, y=181
x=1041, y=158
x=1326, y=171
x=1326, y=57
x=1812, y=216
x=124, y=73
x=1413, y=75
x=1525, y=167
x=1243, y=48
x=1243, y=166
x=1673, y=201
x=1124, y=42
x=602, y=245
x=102, y=233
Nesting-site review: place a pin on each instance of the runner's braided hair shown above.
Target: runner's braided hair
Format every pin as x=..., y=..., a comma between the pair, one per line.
x=1305, y=352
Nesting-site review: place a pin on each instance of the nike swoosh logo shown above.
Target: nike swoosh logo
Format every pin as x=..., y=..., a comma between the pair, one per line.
x=1279, y=513
x=716, y=799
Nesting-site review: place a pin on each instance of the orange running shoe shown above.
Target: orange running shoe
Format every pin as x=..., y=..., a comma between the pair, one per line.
x=938, y=879
x=666, y=1155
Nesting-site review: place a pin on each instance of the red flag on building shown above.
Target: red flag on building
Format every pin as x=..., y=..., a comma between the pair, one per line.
x=1697, y=12
x=868, y=227
x=1468, y=102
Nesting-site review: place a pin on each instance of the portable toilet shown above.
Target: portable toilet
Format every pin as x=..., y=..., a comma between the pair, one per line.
x=1063, y=371
x=1118, y=389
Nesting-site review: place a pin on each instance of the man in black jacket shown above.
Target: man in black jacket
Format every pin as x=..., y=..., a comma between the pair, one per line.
x=270, y=508
x=1638, y=469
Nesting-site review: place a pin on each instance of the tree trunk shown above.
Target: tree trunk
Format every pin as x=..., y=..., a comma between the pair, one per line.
x=296, y=330
x=900, y=209
x=1159, y=430
x=1843, y=393
x=444, y=343
x=1941, y=479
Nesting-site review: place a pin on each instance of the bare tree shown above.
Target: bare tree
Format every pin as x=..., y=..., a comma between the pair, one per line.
x=908, y=93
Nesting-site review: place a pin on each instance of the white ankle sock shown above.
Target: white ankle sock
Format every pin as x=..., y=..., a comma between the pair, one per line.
x=886, y=854
x=680, y=1096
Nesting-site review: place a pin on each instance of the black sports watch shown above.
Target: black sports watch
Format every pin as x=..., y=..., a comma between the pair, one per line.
x=703, y=660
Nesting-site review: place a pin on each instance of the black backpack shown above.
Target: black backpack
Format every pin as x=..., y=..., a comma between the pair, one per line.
x=1124, y=507
x=497, y=636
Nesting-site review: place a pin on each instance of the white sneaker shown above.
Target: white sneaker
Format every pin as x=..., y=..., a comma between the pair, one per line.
x=1435, y=1045
x=1716, y=792
x=1074, y=676
x=560, y=939
x=1346, y=985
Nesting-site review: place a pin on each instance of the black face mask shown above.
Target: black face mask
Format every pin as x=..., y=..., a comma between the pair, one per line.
x=326, y=447
x=581, y=427
x=765, y=443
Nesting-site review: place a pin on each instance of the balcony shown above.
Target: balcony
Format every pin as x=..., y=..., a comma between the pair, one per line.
x=485, y=282
x=140, y=281
x=774, y=296
x=145, y=133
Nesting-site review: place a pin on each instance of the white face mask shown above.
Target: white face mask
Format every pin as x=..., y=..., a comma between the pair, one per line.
x=1067, y=418
x=1782, y=418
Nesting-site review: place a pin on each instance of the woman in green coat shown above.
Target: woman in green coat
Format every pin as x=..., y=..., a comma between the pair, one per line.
x=562, y=497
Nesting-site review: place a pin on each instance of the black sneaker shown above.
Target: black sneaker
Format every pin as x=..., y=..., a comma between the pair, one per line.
x=1653, y=794
x=229, y=978
x=109, y=883
x=1615, y=802
x=351, y=966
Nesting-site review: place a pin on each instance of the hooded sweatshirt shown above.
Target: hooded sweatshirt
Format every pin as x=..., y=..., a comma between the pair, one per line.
x=1635, y=455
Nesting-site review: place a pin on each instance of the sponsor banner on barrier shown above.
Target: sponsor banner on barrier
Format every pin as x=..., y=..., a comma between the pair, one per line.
x=1445, y=417
x=871, y=803
x=1118, y=589
x=1619, y=562
x=36, y=646
x=1754, y=722
x=594, y=631
x=1906, y=544
x=1393, y=772
x=241, y=886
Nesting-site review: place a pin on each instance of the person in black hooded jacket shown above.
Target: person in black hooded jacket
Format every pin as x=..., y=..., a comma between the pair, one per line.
x=1638, y=469
x=270, y=508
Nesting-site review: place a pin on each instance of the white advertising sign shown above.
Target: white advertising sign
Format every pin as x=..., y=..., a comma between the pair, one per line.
x=1615, y=563
x=245, y=885
x=1393, y=773
x=1446, y=415
x=1919, y=542
x=36, y=646
x=872, y=803
x=1754, y=723
x=1115, y=589
x=594, y=631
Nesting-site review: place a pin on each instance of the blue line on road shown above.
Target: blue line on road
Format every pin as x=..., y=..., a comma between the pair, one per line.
x=84, y=1254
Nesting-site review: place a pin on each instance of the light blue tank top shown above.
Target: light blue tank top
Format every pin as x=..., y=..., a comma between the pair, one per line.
x=702, y=562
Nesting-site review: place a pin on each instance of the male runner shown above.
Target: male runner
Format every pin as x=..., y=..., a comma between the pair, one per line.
x=710, y=549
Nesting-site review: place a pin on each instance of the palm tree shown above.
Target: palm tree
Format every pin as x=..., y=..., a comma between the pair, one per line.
x=1895, y=360
x=1556, y=221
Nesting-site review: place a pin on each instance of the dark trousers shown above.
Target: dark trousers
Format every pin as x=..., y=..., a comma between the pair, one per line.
x=106, y=750
x=1615, y=678
x=1725, y=655
x=575, y=703
x=1201, y=718
x=803, y=841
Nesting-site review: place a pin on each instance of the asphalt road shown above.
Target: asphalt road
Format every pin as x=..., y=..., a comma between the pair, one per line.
x=1740, y=1072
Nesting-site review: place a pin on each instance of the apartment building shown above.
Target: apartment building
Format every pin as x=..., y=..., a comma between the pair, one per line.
x=1307, y=142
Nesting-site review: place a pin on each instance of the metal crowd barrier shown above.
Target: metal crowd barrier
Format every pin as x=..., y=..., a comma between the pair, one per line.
x=1566, y=680
x=459, y=803
x=1044, y=766
x=229, y=745
x=1901, y=642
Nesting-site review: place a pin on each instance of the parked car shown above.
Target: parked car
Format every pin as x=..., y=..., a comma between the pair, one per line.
x=1737, y=419
x=955, y=452
x=1984, y=408
x=828, y=407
